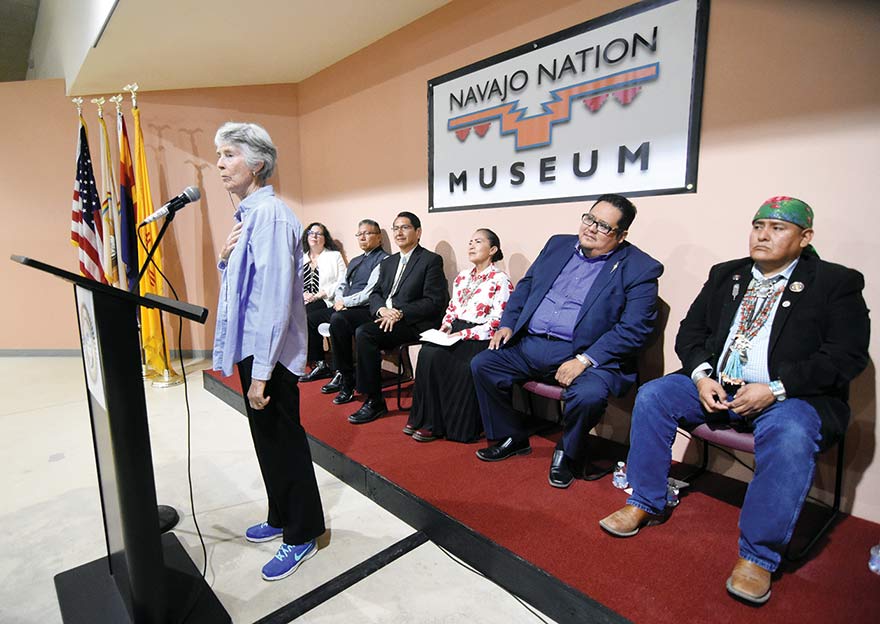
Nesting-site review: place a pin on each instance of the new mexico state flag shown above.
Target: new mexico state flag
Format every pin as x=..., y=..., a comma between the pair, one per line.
x=155, y=349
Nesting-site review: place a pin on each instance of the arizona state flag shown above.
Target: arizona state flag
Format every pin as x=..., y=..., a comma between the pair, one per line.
x=155, y=350
x=127, y=239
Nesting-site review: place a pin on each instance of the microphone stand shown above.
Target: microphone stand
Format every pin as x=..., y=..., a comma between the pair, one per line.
x=168, y=516
x=168, y=219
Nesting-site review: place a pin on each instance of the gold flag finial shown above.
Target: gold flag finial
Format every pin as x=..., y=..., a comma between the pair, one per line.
x=117, y=99
x=100, y=102
x=78, y=102
x=132, y=88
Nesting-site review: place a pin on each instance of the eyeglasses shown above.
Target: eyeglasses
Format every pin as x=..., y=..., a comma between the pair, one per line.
x=402, y=228
x=316, y=233
x=365, y=234
x=589, y=220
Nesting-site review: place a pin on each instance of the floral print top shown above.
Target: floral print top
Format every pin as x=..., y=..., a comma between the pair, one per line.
x=478, y=298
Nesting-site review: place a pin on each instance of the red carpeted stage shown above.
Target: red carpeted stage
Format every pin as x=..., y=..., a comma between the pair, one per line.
x=545, y=544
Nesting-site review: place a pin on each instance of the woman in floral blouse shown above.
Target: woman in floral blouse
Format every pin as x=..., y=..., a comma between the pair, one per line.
x=444, y=401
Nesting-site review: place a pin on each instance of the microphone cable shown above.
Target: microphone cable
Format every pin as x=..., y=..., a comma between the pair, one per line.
x=197, y=596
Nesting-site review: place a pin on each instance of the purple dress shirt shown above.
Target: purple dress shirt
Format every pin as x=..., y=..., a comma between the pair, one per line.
x=557, y=314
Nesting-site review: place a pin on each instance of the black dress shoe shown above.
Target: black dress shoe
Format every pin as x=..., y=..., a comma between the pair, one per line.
x=504, y=449
x=346, y=395
x=560, y=472
x=334, y=385
x=321, y=371
x=369, y=411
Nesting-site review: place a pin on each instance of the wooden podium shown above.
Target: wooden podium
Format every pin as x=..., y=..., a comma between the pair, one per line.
x=145, y=577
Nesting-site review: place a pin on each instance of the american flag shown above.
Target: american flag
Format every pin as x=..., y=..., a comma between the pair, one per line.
x=85, y=227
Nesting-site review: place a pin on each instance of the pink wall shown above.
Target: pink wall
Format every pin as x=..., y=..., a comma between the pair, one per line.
x=791, y=107
x=179, y=129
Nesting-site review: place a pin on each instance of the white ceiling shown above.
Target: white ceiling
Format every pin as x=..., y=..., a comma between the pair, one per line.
x=177, y=44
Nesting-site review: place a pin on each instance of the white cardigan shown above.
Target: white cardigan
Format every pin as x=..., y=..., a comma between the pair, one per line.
x=331, y=273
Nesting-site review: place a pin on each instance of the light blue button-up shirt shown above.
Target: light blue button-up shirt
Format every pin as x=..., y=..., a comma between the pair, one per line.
x=755, y=370
x=260, y=312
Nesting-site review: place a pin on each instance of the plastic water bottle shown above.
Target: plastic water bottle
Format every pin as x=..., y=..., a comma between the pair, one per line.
x=672, y=499
x=619, y=478
x=874, y=561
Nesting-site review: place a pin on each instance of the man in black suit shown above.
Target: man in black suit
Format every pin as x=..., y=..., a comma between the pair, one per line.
x=410, y=297
x=769, y=345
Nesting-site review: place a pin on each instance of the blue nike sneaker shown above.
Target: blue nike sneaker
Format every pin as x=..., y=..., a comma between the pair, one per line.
x=262, y=533
x=288, y=559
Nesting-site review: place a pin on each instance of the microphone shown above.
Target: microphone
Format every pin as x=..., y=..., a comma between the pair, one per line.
x=190, y=194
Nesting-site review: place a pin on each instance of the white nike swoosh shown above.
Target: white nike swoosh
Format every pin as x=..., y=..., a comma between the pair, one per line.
x=298, y=557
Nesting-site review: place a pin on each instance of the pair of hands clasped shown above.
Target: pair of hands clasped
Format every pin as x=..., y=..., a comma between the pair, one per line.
x=567, y=372
x=388, y=317
x=749, y=401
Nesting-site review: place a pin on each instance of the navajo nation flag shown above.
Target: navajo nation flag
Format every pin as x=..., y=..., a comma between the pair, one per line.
x=127, y=240
x=108, y=208
x=85, y=226
x=152, y=337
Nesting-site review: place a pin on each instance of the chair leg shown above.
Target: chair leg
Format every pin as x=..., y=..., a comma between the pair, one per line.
x=402, y=352
x=833, y=512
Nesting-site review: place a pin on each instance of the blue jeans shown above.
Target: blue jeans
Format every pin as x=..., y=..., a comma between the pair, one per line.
x=787, y=436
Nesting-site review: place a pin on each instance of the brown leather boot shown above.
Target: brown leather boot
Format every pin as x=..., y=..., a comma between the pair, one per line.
x=750, y=582
x=626, y=522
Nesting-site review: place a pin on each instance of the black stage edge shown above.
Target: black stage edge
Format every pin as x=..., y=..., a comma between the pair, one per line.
x=339, y=584
x=88, y=594
x=545, y=592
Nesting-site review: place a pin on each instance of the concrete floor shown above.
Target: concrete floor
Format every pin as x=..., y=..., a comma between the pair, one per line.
x=51, y=517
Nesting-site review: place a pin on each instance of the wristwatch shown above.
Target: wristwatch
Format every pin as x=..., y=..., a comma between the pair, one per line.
x=583, y=359
x=778, y=390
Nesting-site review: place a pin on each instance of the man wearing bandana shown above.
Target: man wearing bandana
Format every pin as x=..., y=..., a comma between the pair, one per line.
x=769, y=345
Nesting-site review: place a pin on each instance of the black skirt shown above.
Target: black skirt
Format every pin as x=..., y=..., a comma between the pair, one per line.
x=444, y=399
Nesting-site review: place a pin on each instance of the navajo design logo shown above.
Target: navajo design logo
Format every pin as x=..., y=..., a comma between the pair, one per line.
x=537, y=130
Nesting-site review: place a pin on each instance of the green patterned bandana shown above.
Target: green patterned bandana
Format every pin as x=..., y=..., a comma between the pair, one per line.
x=786, y=209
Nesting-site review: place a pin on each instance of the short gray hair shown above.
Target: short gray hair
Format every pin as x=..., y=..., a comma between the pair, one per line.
x=255, y=143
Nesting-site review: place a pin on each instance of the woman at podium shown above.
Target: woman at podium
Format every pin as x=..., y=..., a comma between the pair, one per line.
x=261, y=329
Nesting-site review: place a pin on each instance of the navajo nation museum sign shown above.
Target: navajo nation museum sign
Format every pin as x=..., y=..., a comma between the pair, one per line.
x=608, y=106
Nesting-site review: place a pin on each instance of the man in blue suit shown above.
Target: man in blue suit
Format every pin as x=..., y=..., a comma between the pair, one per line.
x=580, y=315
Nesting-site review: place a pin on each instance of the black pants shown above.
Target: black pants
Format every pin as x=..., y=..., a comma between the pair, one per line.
x=343, y=325
x=283, y=453
x=371, y=339
x=317, y=312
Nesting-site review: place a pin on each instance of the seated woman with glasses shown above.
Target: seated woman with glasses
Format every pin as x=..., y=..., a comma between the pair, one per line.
x=323, y=272
x=444, y=400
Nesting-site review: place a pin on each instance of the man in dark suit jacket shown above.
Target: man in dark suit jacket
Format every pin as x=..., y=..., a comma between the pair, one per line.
x=580, y=314
x=770, y=345
x=411, y=296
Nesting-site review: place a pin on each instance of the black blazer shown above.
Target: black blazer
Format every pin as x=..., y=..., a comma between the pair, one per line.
x=818, y=341
x=423, y=292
